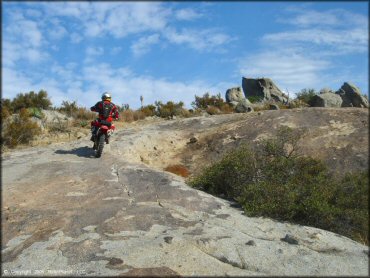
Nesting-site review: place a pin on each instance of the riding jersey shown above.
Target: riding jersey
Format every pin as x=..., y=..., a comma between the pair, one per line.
x=106, y=110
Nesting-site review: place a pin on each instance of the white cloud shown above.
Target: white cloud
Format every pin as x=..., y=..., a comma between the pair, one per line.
x=289, y=69
x=24, y=31
x=355, y=40
x=206, y=39
x=338, y=30
x=126, y=86
x=116, y=50
x=305, y=17
x=143, y=45
x=76, y=38
x=187, y=14
x=94, y=51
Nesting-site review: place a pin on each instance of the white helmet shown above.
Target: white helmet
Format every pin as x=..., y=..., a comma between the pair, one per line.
x=106, y=96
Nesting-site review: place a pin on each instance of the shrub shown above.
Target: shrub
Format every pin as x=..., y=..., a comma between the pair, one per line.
x=169, y=109
x=31, y=99
x=127, y=116
x=69, y=108
x=60, y=126
x=226, y=108
x=19, y=131
x=307, y=96
x=6, y=104
x=139, y=115
x=254, y=99
x=35, y=112
x=83, y=114
x=5, y=113
x=148, y=110
x=123, y=107
x=213, y=110
x=274, y=181
x=297, y=103
x=208, y=100
x=178, y=169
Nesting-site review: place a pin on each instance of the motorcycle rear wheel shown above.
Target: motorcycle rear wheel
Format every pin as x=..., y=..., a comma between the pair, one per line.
x=100, y=147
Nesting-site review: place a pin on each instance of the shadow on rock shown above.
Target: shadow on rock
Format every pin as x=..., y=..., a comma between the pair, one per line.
x=82, y=151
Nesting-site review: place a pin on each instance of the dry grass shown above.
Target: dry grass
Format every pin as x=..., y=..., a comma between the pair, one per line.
x=178, y=169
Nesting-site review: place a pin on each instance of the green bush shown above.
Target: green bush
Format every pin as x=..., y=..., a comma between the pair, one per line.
x=148, y=110
x=208, y=100
x=71, y=109
x=307, y=96
x=169, y=109
x=254, y=99
x=21, y=130
x=31, y=99
x=213, y=110
x=35, y=112
x=274, y=181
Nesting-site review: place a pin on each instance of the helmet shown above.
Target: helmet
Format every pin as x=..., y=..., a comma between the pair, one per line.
x=106, y=96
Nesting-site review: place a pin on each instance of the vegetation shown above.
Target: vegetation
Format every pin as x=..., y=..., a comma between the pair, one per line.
x=178, y=169
x=254, y=99
x=21, y=130
x=148, y=110
x=38, y=100
x=274, y=181
x=208, y=100
x=71, y=109
x=306, y=95
x=170, y=109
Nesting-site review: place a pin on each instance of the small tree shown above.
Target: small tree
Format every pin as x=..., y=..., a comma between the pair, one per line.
x=20, y=131
x=208, y=100
x=169, y=109
x=307, y=95
x=70, y=108
x=31, y=99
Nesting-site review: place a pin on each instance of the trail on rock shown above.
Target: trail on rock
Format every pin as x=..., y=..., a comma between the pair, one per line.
x=121, y=214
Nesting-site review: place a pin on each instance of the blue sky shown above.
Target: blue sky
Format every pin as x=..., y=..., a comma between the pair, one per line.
x=175, y=50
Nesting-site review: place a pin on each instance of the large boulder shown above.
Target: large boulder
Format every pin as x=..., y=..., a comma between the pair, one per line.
x=327, y=100
x=326, y=90
x=234, y=94
x=236, y=98
x=263, y=89
x=243, y=106
x=351, y=96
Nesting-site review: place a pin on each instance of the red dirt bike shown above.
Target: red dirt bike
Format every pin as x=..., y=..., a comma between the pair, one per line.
x=105, y=130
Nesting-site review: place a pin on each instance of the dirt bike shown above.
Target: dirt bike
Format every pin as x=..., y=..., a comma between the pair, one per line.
x=102, y=135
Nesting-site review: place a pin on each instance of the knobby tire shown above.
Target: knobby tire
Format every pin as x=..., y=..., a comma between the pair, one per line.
x=100, y=145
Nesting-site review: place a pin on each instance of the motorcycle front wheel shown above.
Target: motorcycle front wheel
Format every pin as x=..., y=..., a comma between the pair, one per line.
x=99, y=149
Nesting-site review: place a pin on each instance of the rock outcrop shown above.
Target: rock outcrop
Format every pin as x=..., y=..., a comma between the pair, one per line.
x=351, y=96
x=236, y=98
x=263, y=89
x=67, y=213
x=243, y=106
x=234, y=94
x=327, y=99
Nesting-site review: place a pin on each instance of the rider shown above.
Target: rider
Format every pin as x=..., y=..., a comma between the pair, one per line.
x=107, y=105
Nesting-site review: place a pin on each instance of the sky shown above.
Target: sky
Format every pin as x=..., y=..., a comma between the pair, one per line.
x=166, y=51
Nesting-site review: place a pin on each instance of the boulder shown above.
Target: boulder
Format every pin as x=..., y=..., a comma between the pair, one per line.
x=351, y=96
x=327, y=100
x=243, y=106
x=236, y=98
x=234, y=94
x=326, y=90
x=274, y=107
x=263, y=89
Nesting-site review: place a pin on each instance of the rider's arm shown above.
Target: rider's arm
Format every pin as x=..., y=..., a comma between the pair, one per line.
x=95, y=108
